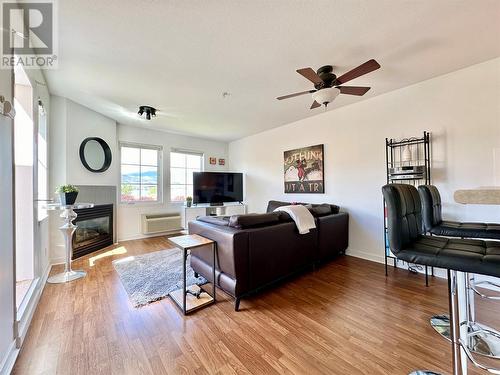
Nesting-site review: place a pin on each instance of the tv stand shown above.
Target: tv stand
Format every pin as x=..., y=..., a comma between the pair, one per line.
x=226, y=209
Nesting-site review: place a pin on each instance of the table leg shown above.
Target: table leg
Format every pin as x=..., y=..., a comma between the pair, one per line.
x=68, y=229
x=213, y=270
x=184, y=288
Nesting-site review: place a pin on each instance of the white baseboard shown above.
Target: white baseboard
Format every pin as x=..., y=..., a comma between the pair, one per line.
x=365, y=255
x=131, y=238
x=380, y=259
x=57, y=260
x=7, y=363
x=142, y=236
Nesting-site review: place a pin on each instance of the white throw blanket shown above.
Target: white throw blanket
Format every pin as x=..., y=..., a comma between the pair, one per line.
x=304, y=220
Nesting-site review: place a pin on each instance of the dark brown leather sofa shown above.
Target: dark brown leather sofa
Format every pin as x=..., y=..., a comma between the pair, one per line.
x=256, y=250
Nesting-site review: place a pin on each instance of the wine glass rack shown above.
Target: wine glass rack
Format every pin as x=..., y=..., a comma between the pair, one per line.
x=408, y=161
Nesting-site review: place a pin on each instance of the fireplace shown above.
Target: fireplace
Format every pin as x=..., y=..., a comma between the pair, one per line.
x=95, y=229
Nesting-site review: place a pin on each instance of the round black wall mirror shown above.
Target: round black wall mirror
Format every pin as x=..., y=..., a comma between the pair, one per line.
x=95, y=154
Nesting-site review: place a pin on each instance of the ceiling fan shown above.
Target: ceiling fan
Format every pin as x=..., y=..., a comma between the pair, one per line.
x=327, y=84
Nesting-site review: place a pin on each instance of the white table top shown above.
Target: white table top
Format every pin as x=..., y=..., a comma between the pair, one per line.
x=76, y=206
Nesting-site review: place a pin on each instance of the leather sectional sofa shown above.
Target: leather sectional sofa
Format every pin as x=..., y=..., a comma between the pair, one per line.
x=256, y=250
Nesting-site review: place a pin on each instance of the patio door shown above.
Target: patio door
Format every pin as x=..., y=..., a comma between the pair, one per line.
x=24, y=146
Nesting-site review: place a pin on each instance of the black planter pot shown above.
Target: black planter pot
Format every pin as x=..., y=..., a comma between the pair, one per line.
x=68, y=199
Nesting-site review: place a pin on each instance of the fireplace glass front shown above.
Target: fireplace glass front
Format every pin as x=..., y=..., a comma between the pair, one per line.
x=89, y=230
x=94, y=230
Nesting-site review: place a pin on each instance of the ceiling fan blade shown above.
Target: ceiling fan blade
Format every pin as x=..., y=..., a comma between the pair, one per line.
x=315, y=105
x=310, y=75
x=367, y=67
x=296, y=94
x=353, y=90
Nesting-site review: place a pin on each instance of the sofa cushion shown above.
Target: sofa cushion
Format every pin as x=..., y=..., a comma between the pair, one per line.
x=272, y=205
x=284, y=217
x=253, y=220
x=335, y=209
x=216, y=220
x=318, y=210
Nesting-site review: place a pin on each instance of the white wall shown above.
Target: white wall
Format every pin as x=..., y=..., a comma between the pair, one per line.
x=70, y=123
x=129, y=216
x=460, y=109
x=58, y=142
x=57, y=175
x=82, y=122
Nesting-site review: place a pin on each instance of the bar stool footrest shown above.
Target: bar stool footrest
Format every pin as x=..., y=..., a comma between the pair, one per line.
x=482, y=295
x=476, y=363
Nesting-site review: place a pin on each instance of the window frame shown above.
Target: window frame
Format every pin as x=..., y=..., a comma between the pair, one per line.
x=200, y=154
x=159, y=167
x=42, y=197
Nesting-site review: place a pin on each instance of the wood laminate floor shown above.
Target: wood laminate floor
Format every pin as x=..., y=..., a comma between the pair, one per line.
x=344, y=318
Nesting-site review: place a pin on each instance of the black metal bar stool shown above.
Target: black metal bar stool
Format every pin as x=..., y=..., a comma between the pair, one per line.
x=484, y=344
x=434, y=224
x=458, y=256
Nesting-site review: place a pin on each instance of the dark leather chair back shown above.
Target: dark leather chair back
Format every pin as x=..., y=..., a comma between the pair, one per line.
x=404, y=215
x=431, y=206
x=272, y=205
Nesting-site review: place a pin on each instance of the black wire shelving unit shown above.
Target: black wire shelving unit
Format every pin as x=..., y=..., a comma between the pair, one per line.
x=408, y=161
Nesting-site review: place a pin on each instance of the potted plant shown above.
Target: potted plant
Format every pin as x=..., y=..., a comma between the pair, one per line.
x=67, y=194
x=189, y=200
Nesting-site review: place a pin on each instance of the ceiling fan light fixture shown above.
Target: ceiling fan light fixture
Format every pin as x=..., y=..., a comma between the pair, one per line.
x=326, y=95
x=327, y=84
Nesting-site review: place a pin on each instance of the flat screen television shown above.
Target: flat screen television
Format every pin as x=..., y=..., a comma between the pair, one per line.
x=217, y=187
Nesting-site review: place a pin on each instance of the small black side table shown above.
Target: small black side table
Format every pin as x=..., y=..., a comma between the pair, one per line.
x=191, y=298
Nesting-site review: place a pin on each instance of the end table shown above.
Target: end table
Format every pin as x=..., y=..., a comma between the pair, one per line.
x=197, y=298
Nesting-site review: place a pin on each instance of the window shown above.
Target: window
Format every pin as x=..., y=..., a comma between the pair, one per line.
x=42, y=162
x=140, y=173
x=182, y=166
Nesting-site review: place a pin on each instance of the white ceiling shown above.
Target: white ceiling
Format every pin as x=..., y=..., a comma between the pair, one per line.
x=180, y=56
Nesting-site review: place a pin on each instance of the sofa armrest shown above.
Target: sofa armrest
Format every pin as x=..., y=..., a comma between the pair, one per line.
x=232, y=249
x=222, y=221
x=333, y=234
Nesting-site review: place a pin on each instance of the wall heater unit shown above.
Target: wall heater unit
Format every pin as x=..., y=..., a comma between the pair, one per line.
x=158, y=223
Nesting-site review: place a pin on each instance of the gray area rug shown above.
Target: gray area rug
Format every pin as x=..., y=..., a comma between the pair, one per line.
x=151, y=277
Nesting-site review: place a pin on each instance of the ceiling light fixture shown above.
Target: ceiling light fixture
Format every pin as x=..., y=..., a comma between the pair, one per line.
x=326, y=95
x=149, y=111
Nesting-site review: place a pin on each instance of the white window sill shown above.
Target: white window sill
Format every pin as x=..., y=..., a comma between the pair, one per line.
x=141, y=204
